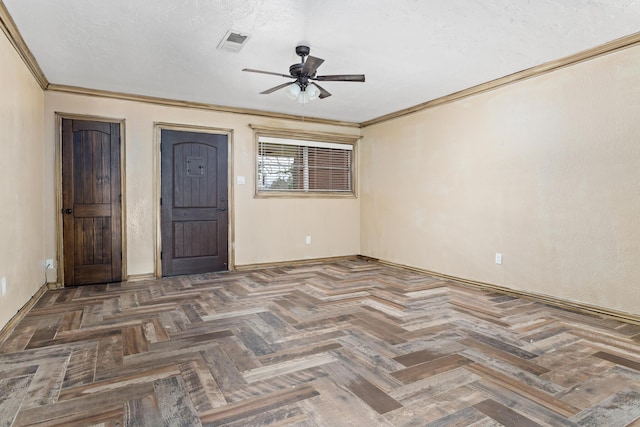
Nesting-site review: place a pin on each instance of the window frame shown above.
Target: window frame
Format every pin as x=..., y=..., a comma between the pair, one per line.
x=302, y=137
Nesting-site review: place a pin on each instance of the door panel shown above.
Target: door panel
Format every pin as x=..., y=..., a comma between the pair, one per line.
x=91, y=197
x=194, y=202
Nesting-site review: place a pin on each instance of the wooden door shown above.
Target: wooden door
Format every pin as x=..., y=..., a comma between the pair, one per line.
x=194, y=202
x=91, y=202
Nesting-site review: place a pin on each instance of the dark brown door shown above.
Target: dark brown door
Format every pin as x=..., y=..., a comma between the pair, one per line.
x=91, y=202
x=194, y=202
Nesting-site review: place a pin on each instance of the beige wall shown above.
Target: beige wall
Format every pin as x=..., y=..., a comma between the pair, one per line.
x=21, y=185
x=266, y=230
x=545, y=171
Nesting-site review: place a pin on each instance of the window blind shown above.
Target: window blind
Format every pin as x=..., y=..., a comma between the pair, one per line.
x=303, y=166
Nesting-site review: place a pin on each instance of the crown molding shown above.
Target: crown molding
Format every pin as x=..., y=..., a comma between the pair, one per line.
x=188, y=104
x=585, y=55
x=12, y=33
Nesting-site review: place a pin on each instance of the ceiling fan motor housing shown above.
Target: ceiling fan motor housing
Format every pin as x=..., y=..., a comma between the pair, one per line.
x=296, y=69
x=302, y=79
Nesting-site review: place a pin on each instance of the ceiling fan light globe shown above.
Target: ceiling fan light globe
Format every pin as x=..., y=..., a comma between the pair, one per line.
x=313, y=92
x=293, y=91
x=303, y=97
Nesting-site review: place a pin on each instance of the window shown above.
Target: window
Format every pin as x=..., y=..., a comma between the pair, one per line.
x=286, y=165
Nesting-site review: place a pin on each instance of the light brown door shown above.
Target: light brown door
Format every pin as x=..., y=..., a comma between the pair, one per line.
x=194, y=202
x=91, y=202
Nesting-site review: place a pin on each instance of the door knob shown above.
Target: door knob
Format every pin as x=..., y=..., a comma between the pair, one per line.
x=69, y=210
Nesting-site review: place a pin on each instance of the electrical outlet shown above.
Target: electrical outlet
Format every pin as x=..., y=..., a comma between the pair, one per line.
x=3, y=286
x=48, y=264
x=308, y=240
x=498, y=258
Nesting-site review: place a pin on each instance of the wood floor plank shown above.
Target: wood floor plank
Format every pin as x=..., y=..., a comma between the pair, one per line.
x=19, y=339
x=578, y=372
x=13, y=393
x=619, y=360
x=525, y=364
x=149, y=376
x=504, y=415
x=21, y=371
x=133, y=341
x=242, y=357
x=142, y=411
x=436, y=407
x=373, y=396
x=95, y=403
x=224, y=372
x=176, y=408
x=620, y=409
x=465, y=417
x=71, y=321
x=335, y=406
x=111, y=356
x=288, y=415
x=46, y=384
x=45, y=332
x=268, y=371
x=204, y=386
x=529, y=392
x=430, y=368
x=535, y=411
x=427, y=388
x=110, y=416
x=81, y=367
x=237, y=411
x=417, y=357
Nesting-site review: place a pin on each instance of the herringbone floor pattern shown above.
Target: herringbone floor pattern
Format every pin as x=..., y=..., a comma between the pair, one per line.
x=351, y=343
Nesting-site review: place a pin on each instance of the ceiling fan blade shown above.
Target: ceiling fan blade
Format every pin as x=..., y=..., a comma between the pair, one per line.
x=273, y=89
x=311, y=64
x=341, y=78
x=267, y=72
x=323, y=92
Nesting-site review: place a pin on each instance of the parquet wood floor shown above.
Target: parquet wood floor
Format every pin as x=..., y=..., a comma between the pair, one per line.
x=350, y=343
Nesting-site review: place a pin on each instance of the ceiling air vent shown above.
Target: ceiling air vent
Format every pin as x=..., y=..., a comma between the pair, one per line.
x=233, y=41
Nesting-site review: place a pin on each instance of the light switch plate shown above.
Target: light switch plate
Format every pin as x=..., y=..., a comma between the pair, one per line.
x=240, y=180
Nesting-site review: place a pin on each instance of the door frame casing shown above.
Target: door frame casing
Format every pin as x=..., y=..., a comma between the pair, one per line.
x=158, y=127
x=58, y=187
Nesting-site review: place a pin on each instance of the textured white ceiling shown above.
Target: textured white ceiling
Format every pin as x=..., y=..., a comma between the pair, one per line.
x=411, y=51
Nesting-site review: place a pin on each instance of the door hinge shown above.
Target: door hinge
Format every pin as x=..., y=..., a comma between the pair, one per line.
x=160, y=254
x=160, y=201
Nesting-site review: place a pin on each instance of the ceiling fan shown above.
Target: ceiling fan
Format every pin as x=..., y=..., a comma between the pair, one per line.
x=304, y=88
